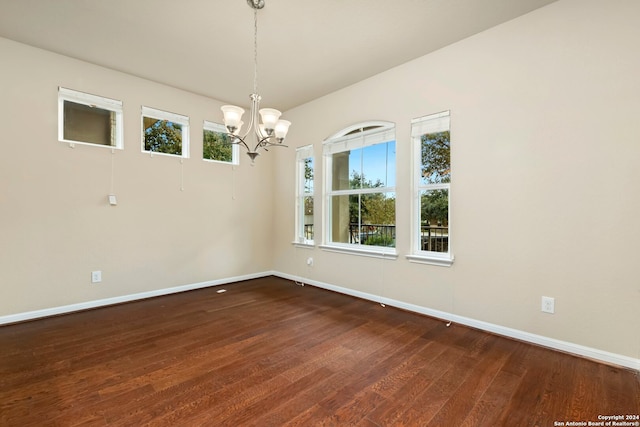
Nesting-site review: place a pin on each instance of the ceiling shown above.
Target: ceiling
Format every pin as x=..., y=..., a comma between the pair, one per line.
x=306, y=49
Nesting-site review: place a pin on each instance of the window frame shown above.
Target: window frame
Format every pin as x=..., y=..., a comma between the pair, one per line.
x=302, y=154
x=432, y=123
x=93, y=101
x=182, y=120
x=220, y=128
x=383, y=132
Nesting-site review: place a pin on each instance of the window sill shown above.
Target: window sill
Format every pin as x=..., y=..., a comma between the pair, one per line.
x=306, y=245
x=220, y=162
x=372, y=252
x=442, y=261
x=72, y=144
x=152, y=154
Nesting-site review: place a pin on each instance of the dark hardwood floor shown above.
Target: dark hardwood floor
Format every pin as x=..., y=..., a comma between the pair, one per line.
x=269, y=353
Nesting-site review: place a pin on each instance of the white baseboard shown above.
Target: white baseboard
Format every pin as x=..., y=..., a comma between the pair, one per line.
x=564, y=346
x=54, y=311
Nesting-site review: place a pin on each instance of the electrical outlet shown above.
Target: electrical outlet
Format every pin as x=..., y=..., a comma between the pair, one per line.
x=310, y=262
x=96, y=276
x=548, y=305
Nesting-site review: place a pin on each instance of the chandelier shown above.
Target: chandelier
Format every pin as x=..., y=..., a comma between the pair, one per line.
x=272, y=131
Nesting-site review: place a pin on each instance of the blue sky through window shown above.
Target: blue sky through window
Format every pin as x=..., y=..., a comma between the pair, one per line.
x=377, y=162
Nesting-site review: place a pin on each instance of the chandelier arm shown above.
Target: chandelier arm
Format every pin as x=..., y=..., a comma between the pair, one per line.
x=273, y=144
x=238, y=140
x=260, y=144
x=265, y=142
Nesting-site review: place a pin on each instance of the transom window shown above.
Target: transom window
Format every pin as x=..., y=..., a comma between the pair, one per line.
x=216, y=145
x=164, y=132
x=360, y=170
x=89, y=119
x=432, y=153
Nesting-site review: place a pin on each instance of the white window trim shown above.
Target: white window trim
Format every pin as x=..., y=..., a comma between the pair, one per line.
x=361, y=250
x=438, y=122
x=235, y=148
x=172, y=117
x=340, y=142
x=303, y=153
x=91, y=101
x=431, y=259
x=304, y=245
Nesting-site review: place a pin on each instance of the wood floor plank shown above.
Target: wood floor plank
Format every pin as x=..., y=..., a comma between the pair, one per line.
x=457, y=408
x=437, y=394
x=301, y=404
x=269, y=353
x=413, y=388
x=489, y=407
x=266, y=402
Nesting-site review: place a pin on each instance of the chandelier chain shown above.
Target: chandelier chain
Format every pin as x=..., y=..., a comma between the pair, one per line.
x=255, y=50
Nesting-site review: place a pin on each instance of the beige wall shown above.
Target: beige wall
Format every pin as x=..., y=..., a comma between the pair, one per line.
x=546, y=176
x=56, y=224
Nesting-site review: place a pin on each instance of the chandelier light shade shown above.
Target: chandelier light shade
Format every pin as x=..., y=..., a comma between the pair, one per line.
x=265, y=123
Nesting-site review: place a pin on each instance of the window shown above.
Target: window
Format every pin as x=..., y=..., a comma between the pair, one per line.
x=216, y=145
x=165, y=133
x=304, y=193
x=432, y=153
x=89, y=119
x=360, y=170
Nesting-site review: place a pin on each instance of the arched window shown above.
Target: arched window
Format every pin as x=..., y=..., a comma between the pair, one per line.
x=360, y=187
